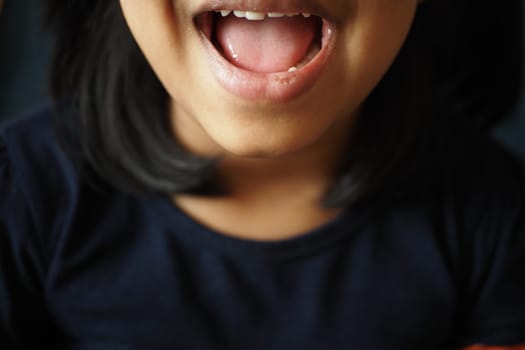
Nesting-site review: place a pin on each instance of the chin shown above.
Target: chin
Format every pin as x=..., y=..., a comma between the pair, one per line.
x=264, y=149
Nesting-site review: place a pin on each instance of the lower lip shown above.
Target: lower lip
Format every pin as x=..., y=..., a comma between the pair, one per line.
x=280, y=87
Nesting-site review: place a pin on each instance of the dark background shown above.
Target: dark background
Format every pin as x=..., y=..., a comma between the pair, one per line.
x=24, y=55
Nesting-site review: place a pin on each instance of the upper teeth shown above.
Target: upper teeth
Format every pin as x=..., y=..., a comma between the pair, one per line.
x=259, y=16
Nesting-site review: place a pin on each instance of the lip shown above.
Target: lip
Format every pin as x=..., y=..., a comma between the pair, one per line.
x=285, y=6
x=279, y=87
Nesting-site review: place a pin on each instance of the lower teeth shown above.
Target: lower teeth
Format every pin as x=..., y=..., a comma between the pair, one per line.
x=312, y=52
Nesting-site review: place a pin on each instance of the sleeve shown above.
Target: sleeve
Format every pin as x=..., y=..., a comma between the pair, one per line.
x=496, y=299
x=24, y=320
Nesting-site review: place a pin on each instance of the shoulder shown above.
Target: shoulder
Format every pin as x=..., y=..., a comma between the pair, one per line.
x=485, y=184
x=33, y=152
x=479, y=202
x=31, y=138
x=463, y=231
x=469, y=181
x=484, y=206
x=35, y=167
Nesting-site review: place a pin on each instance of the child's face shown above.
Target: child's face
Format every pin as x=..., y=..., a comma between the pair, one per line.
x=247, y=101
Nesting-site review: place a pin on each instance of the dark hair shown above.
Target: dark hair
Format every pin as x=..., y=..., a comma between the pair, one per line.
x=460, y=68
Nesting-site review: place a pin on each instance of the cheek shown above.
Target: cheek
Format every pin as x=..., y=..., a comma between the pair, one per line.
x=148, y=19
x=372, y=40
x=368, y=42
x=157, y=30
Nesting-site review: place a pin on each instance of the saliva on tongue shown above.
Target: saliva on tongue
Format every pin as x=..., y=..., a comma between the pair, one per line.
x=268, y=46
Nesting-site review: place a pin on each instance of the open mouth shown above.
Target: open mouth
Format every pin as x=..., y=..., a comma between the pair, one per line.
x=272, y=56
x=264, y=42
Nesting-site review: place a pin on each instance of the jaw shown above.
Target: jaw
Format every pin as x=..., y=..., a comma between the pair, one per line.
x=235, y=107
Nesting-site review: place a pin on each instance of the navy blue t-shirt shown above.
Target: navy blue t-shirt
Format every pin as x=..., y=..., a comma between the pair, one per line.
x=88, y=268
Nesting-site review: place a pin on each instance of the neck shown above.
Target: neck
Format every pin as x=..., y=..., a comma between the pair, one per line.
x=272, y=198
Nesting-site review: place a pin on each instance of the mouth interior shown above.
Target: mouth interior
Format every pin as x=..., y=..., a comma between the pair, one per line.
x=272, y=45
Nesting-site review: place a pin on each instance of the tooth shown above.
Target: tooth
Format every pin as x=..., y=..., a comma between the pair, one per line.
x=275, y=14
x=292, y=14
x=255, y=16
x=292, y=69
x=240, y=14
x=225, y=13
x=306, y=14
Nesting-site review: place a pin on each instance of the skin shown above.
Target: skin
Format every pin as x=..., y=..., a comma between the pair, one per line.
x=277, y=158
x=216, y=122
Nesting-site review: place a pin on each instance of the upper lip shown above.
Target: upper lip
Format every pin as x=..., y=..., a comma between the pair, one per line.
x=314, y=7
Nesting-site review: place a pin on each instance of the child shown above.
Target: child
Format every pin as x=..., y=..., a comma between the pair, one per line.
x=258, y=175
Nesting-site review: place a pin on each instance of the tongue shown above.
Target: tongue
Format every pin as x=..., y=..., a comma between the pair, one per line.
x=268, y=46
